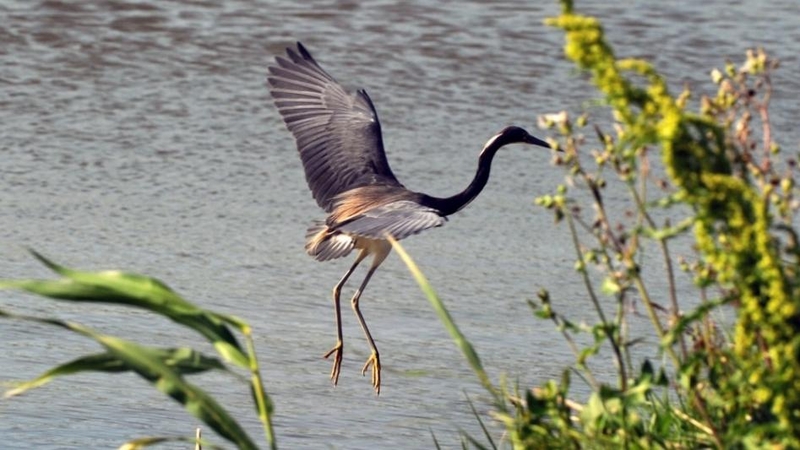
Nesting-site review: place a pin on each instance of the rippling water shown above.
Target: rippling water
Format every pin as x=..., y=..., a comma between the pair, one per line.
x=139, y=135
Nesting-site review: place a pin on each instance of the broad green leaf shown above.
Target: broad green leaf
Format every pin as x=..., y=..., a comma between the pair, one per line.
x=141, y=292
x=145, y=361
x=168, y=381
x=103, y=362
x=183, y=360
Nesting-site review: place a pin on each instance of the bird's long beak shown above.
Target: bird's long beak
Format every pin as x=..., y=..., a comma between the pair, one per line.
x=536, y=141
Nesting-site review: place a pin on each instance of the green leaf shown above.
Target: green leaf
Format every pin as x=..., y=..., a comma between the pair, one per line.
x=610, y=286
x=435, y=441
x=483, y=426
x=103, y=362
x=183, y=360
x=138, y=291
x=149, y=364
x=586, y=353
x=716, y=76
x=465, y=437
x=663, y=234
x=140, y=443
x=568, y=325
x=195, y=400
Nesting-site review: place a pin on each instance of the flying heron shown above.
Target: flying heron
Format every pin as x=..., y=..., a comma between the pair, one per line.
x=339, y=139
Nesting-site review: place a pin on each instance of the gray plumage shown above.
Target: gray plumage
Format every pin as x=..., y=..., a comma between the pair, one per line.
x=338, y=134
x=339, y=139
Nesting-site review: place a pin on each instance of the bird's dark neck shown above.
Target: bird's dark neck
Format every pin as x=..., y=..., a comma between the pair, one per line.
x=451, y=205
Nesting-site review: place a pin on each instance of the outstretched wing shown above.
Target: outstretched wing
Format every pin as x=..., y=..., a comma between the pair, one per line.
x=338, y=134
x=400, y=219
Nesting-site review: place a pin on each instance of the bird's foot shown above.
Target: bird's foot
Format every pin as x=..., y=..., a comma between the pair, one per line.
x=337, y=361
x=374, y=361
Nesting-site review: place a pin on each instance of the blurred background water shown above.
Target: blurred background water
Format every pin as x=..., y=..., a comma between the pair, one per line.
x=139, y=135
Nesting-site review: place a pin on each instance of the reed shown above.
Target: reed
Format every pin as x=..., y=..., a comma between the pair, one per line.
x=165, y=368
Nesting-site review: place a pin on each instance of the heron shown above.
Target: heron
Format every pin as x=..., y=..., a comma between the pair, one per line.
x=338, y=136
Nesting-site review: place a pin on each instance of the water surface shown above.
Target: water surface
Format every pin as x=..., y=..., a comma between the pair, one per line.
x=139, y=135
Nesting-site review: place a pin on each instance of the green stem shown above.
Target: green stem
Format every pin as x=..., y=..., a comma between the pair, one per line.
x=662, y=243
x=263, y=403
x=588, y=284
x=444, y=315
x=651, y=312
x=589, y=378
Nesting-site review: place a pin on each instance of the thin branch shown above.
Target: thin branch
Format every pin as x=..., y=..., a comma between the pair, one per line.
x=596, y=302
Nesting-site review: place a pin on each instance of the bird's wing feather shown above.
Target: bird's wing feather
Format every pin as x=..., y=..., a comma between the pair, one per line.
x=399, y=219
x=338, y=134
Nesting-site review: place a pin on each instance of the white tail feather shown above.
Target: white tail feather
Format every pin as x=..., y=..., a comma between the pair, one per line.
x=324, y=245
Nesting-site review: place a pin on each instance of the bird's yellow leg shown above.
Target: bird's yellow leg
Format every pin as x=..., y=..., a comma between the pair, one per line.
x=374, y=360
x=338, y=349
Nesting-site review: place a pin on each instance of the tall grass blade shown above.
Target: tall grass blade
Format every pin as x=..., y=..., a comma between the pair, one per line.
x=480, y=422
x=475, y=444
x=444, y=315
x=435, y=441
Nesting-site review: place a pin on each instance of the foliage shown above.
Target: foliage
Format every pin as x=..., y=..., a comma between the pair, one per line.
x=165, y=369
x=725, y=188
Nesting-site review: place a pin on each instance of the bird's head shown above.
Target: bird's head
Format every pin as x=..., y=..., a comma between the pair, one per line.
x=517, y=135
x=512, y=135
